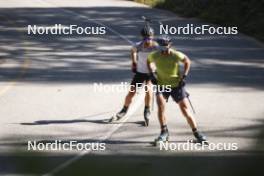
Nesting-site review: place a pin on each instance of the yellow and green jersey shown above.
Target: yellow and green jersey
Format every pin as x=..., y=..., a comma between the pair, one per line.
x=167, y=67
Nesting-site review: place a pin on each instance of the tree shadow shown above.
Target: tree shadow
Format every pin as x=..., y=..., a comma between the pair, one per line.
x=221, y=163
x=231, y=61
x=89, y=59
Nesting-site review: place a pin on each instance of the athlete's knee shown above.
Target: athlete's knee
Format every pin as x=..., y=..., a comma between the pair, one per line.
x=132, y=92
x=148, y=85
x=185, y=111
x=183, y=104
x=148, y=94
x=184, y=108
x=161, y=104
x=130, y=95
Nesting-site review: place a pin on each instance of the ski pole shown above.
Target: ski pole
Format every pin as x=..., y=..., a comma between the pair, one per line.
x=153, y=99
x=191, y=104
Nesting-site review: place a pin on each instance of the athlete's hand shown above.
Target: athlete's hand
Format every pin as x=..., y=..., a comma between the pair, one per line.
x=153, y=78
x=182, y=81
x=134, y=67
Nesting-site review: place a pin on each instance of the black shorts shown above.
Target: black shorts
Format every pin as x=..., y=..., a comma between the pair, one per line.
x=177, y=94
x=139, y=79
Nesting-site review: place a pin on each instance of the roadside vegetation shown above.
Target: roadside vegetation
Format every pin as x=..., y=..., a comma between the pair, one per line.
x=247, y=15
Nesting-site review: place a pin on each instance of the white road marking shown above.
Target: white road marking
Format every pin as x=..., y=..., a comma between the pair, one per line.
x=115, y=127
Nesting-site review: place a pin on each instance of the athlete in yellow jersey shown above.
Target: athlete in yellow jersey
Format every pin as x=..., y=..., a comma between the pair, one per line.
x=167, y=63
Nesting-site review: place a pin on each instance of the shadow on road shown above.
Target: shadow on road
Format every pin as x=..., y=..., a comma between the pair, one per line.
x=78, y=120
x=99, y=121
x=212, y=163
x=224, y=60
x=112, y=165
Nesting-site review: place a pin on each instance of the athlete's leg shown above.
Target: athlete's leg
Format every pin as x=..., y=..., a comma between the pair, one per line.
x=180, y=96
x=191, y=120
x=161, y=111
x=137, y=80
x=187, y=113
x=164, y=134
x=129, y=96
x=148, y=94
x=128, y=101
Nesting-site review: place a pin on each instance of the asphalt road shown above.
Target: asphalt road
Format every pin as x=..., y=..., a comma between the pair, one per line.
x=47, y=88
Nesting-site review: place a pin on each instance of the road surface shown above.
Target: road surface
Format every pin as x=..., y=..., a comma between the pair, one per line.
x=47, y=88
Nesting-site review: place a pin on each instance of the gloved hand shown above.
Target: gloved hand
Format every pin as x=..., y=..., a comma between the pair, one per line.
x=134, y=67
x=153, y=78
x=182, y=81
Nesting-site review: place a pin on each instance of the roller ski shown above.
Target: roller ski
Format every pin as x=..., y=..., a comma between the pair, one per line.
x=200, y=138
x=163, y=137
x=118, y=116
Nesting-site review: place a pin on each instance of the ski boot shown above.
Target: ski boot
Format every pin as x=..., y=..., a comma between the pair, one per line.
x=146, y=116
x=200, y=138
x=118, y=116
x=163, y=137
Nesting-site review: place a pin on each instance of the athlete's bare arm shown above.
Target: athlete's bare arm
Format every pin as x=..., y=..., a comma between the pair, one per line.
x=187, y=65
x=134, y=59
x=134, y=55
x=150, y=67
